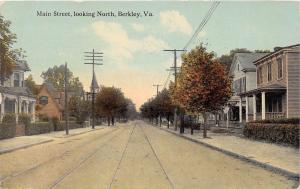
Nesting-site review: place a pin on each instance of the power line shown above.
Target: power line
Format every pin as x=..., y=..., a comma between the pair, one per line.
x=203, y=23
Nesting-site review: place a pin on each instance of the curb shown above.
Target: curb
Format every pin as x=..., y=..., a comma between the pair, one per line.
x=26, y=146
x=75, y=134
x=241, y=157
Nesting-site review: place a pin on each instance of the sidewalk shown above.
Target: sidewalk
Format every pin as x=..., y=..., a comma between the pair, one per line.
x=274, y=157
x=12, y=144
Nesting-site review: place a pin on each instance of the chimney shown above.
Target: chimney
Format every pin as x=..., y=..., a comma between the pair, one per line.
x=277, y=48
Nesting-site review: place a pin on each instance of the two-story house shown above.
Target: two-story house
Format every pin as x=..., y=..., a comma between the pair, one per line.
x=278, y=85
x=14, y=96
x=243, y=73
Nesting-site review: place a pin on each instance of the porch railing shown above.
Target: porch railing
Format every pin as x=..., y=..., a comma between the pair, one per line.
x=274, y=115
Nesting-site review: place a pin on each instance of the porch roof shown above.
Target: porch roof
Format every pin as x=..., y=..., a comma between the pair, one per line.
x=18, y=91
x=270, y=88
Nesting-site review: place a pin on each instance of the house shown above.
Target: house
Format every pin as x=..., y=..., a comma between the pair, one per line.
x=243, y=73
x=278, y=85
x=14, y=96
x=50, y=102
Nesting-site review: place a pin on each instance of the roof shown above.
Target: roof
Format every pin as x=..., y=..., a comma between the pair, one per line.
x=246, y=60
x=54, y=94
x=295, y=47
x=22, y=65
x=19, y=91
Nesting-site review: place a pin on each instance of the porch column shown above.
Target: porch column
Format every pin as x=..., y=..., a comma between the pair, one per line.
x=247, y=109
x=254, y=107
x=33, y=111
x=17, y=110
x=27, y=107
x=263, y=105
x=241, y=110
x=2, y=108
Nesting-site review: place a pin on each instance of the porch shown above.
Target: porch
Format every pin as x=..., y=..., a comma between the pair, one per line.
x=264, y=104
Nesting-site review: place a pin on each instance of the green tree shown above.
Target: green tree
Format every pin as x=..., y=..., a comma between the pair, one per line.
x=203, y=84
x=56, y=76
x=79, y=108
x=8, y=55
x=30, y=83
x=110, y=102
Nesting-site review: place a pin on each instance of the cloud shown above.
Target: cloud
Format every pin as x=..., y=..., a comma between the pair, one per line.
x=1, y=2
x=138, y=27
x=173, y=21
x=120, y=45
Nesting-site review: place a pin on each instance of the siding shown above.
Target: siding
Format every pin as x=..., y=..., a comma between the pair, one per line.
x=275, y=79
x=293, y=97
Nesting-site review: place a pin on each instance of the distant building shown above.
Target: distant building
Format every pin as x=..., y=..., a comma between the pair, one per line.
x=14, y=96
x=95, y=86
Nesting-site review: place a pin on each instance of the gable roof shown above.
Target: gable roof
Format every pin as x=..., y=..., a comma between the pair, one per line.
x=277, y=50
x=22, y=65
x=245, y=60
x=53, y=93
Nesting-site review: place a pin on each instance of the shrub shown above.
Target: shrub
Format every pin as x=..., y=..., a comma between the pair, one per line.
x=7, y=130
x=43, y=118
x=38, y=128
x=55, y=123
x=279, y=121
x=278, y=133
x=25, y=119
x=9, y=118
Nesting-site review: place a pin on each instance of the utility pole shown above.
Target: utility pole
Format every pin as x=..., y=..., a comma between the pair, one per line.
x=66, y=99
x=175, y=68
x=157, y=86
x=94, y=58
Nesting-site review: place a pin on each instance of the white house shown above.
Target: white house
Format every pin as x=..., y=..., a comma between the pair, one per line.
x=243, y=72
x=14, y=96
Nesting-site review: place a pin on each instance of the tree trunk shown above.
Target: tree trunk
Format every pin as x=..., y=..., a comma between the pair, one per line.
x=112, y=121
x=108, y=121
x=181, y=123
x=205, y=125
x=160, y=121
x=168, y=118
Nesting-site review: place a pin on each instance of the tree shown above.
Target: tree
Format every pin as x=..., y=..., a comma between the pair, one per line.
x=31, y=85
x=110, y=102
x=203, y=84
x=8, y=56
x=56, y=76
x=79, y=108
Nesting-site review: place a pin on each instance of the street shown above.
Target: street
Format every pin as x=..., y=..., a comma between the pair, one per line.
x=132, y=155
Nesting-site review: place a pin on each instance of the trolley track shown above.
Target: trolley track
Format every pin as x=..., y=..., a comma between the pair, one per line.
x=62, y=155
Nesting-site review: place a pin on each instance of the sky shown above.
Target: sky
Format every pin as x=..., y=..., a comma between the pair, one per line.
x=133, y=46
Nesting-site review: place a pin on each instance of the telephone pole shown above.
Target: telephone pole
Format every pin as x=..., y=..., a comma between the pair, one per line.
x=66, y=99
x=93, y=58
x=175, y=69
x=157, y=86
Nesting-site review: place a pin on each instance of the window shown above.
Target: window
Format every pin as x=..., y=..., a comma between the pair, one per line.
x=43, y=100
x=269, y=71
x=279, y=67
x=16, y=80
x=238, y=67
x=259, y=75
